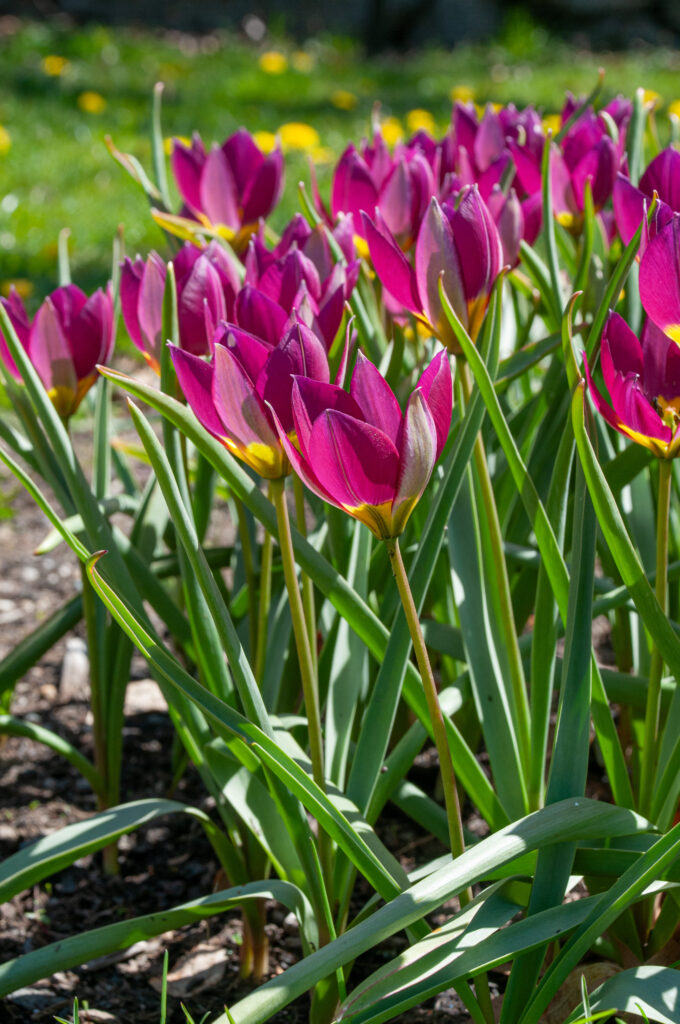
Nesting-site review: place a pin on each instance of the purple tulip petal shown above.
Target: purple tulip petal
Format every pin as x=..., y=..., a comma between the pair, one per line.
x=251, y=352
x=243, y=157
x=22, y=327
x=663, y=176
x=264, y=190
x=309, y=400
x=256, y=313
x=243, y=413
x=187, y=164
x=131, y=275
x=436, y=387
x=661, y=361
x=418, y=456
x=622, y=368
x=150, y=304
x=660, y=279
x=391, y=265
x=354, y=461
x=489, y=140
x=219, y=196
x=330, y=315
x=50, y=351
x=629, y=207
x=436, y=255
x=353, y=189
x=374, y=397
x=480, y=253
x=195, y=378
x=200, y=303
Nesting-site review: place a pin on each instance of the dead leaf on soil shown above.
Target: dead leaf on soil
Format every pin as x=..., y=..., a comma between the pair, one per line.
x=201, y=968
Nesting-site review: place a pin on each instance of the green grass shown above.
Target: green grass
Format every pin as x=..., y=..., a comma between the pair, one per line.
x=57, y=171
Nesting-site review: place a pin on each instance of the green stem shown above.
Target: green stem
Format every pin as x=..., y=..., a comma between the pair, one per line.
x=517, y=680
x=249, y=569
x=307, y=673
x=429, y=686
x=305, y=580
x=652, y=713
x=264, y=603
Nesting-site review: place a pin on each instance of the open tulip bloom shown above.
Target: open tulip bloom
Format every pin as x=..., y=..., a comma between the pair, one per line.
x=248, y=382
x=457, y=242
x=660, y=279
x=358, y=451
x=69, y=336
x=232, y=186
x=630, y=202
x=643, y=381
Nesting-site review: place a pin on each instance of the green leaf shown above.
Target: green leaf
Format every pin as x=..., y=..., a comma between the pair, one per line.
x=29, y=650
x=568, y=820
x=88, y=946
x=654, y=991
x=52, y=853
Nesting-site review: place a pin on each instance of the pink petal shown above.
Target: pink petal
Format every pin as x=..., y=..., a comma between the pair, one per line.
x=660, y=279
x=219, y=195
x=436, y=387
x=187, y=164
x=243, y=413
x=310, y=398
x=391, y=266
x=418, y=456
x=195, y=378
x=260, y=315
x=437, y=255
x=374, y=397
x=264, y=190
x=355, y=462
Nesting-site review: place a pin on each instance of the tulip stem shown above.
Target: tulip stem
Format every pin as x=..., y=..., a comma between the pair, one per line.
x=264, y=603
x=251, y=583
x=653, y=709
x=517, y=680
x=307, y=674
x=433, y=707
x=307, y=585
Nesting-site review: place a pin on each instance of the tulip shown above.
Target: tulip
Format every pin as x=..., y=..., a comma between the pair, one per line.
x=660, y=279
x=358, y=451
x=643, y=381
x=461, y=243
x=248, y=382
x=299, y=275
x=588, y=153
x=399, y=185
x=206, y=290
x=663, y=177
x=14, y=308
x=230, y=187
x=69, y=336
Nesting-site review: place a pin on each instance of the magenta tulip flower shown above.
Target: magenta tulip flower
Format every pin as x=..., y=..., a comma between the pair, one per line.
x=232, y=186
x=248, y=382
x=400, y=185
x=358, y=451
x=588, y=153
x=206, y=291
x=643, y=381
x=660, y=279
x=14, y=308
x=459, y=243
x=69, y=336
x=299, y=275
x=663, y=177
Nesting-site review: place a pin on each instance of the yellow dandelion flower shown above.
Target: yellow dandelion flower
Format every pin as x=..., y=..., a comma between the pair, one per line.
x=674, y=108
x=23, y=287
x=297, y=135
x=322, y=155
x=303, y=61
x=54, y=65
x=344, y=100
x=462, y=94
x=91, y=102
x=650, y=98
x=552, y=123
x=5, y=140
x=273, y=62
x=420, y=120
x=266, y=141
x=392, y=130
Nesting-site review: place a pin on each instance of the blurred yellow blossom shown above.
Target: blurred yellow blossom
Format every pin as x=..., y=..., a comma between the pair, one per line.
x=5, y=140
x=462, y=94
x=24, y=288
x=169, y=140
x=265, y=141
x=297, y=135
x=392, y=130
x=273, y=62
x=322, y=155
x=650, y=98
x=343, y=99
x=552, y=123
x=674, y=108
x=481, y=108
x=420, y=120
x=91, y=102
x=303, y=61
x=54, y=66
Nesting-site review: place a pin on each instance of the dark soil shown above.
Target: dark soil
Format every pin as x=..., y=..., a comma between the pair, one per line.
x=161, y=865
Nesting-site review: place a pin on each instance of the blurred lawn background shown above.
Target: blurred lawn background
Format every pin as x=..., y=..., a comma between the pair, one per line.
x=63, y=89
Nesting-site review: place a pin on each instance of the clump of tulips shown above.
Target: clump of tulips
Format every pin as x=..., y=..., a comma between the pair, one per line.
x=397, y=397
